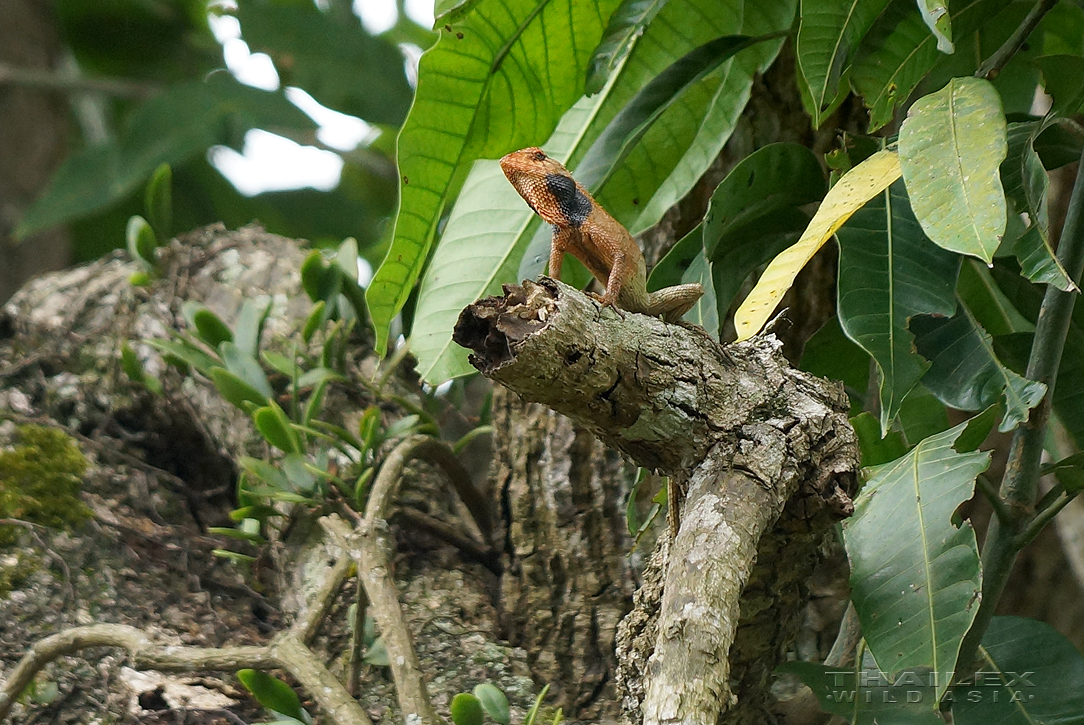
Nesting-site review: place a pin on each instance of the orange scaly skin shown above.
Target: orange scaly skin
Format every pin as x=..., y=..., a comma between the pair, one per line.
x=583, y=229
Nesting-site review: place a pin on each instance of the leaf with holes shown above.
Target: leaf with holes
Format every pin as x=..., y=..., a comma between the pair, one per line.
x=914, y=576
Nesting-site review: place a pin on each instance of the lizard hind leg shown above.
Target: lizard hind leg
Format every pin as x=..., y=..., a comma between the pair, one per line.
x=673, y=302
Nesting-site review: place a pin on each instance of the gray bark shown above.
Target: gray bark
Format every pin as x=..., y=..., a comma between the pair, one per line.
x=743, y=435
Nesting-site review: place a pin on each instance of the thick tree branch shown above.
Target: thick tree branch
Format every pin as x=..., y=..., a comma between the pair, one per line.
x=737, y=428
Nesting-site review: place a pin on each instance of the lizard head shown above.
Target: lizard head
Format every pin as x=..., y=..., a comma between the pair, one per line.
x=533, y=174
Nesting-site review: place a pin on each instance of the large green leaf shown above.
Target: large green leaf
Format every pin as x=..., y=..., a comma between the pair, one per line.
x=169, y=128
x=754, y=213
x=828, y=37
x=331, y=56
x=951, y=146
x=676, y=151
x=641, y=112
x=477, y=253
x=899, y=50
x=498, y=80
x=889, y=272
x=914, y=576
x=627, y=22
x=1030, y=674
x=615, y=146
x=987, y=303
x=965, y=373
x=831, y=354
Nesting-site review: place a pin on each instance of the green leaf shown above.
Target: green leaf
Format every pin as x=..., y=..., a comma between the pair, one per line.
x=250, y=322
x=1069, y=471
x=936, y=16
x=915, y=577
x=209, y=326
x=272, y=693
x=479, y=250
x=493, y=702
x=1029, y=674
x=875, y=449
x=1014, y=350
x=951, y=146
x=319, y=279
x=280, y=363
x=302, y=479
x=141, y=241
x=753, y=213
x=899, y=50
x=377, y=654
x=474, y=90
x=987, y=303
x=626, y=23
x=133, y=368
x=831, y=354
x=187, y=354
x=264, y=471
x=683, y=264
x=234, y=556
x=965, y=373
x=466, y=709
x=235, y=390
x=246, y=367
x=978, y=428
x=275, y=427
x=236, y=534
x=331, y=56
x=1063, y=77
x=633, y=121
x=1026, y=185
x=673, y=154
x=922, y=415
x=889, y=272
x=828, y=38
x=172, y=126
x=532, y=714
x=159, y=202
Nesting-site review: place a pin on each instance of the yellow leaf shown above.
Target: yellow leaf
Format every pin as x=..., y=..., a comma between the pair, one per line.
x=850, y=193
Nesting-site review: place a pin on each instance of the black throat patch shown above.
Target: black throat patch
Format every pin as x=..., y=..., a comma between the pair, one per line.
x=574, y=205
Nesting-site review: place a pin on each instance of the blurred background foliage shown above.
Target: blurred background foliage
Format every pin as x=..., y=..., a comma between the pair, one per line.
x=146, y=83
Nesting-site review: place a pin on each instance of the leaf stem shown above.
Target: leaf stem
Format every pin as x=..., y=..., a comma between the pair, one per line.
x=993, y=65
x=50, y=81
x=1042, y=518
x=1020, y=484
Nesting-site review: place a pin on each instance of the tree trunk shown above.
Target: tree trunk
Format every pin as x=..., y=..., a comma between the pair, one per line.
x=33, y=129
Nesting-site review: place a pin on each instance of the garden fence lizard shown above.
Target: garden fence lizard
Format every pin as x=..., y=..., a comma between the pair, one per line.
x=585, y=230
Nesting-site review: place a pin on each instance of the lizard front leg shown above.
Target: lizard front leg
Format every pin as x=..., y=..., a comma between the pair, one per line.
x=563, y=239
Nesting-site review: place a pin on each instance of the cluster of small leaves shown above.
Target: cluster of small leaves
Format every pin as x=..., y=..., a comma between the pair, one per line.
x=143, y=238
x=41, y=476
x=472, y=708
x=284, y=395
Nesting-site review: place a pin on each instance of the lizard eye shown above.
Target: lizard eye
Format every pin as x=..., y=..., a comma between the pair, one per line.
x=539, y=156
